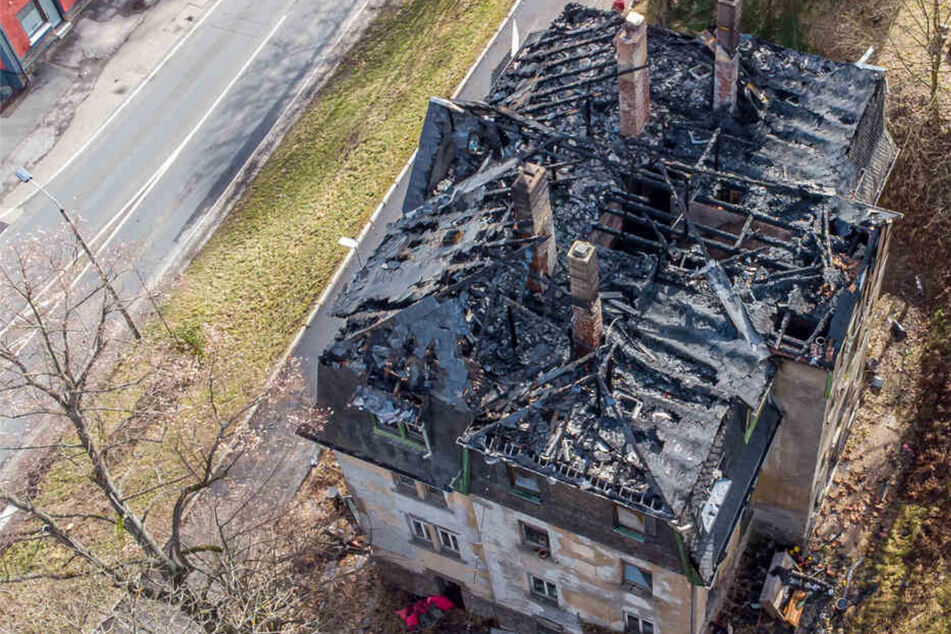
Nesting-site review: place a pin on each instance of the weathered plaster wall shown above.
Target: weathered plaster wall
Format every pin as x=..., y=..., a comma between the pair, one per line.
x=818, y=411
x=848, y=377
x=385, y=512
x=588, y=576
x=573, y=509
x=493, y=565
x=783, y=493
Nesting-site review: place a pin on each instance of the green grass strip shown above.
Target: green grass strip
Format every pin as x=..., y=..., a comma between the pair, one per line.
x=258, y=276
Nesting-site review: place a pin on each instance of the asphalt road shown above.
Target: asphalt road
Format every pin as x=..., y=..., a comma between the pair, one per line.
x=149, y=177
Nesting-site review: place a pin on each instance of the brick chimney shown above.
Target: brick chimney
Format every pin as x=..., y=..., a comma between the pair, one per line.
x=533, y=218
x=586, y=302
x=634, y=93
x=727, y=61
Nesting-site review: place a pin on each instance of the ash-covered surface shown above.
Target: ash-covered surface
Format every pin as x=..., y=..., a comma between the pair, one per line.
x=723, y=243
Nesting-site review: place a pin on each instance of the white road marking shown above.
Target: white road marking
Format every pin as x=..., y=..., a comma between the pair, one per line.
x=122, y=106
x=200, y=225
x=9, y=510
x=129, y=208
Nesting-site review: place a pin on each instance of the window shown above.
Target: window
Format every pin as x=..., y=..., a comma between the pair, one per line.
x=543, y=589
x=32, y=20
x=637, y=625
x=448, y=541
x=405, y=483
x=534, y=537
x=411, y=487
x=411, y=434
x=420, y=529
x=632, y=524
x=525, y=484
x=630, y=519
x=415, y=430
x=637, y=578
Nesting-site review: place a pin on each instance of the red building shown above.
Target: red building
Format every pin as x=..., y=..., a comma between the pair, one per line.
x=27, y=27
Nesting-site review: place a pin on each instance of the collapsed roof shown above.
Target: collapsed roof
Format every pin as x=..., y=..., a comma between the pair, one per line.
x=724, y=242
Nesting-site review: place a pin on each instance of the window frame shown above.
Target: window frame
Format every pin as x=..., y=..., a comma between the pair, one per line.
x=639, y=626
x=434, y=537
x=41, y=27
x=405, y=483
x=526, y=493
x=648, y=576
x=424, y=525
x=525, y=527
x=549, y=589
x=648, y=524
x=417, y=438
x=411, y=487
x=453, y=545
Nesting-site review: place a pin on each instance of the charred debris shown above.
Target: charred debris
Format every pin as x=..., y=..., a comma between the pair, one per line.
x=601, y=305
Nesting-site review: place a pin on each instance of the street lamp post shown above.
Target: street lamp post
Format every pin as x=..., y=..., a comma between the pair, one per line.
x=354, y=246
x=25, y=177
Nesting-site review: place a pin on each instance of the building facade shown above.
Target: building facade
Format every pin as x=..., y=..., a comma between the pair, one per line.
x=27, y=28
x=620, y=325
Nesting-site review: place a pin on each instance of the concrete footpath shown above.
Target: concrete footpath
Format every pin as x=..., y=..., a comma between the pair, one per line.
x=79, y=83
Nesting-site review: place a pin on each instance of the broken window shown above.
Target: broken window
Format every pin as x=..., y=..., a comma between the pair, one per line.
x=542, y=588
x=405, y=484
x=534, y=537
x=632, y=524
x=636, y=578
x=634, y=624
x=448, y=540
x=525, y=484
x=415, y=430
x=412, y=433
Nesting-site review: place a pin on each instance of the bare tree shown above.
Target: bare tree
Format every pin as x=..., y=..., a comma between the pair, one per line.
x=920, y=41
x=143, y=526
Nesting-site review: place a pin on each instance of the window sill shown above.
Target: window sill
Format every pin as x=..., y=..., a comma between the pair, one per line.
x=630, y=533
x=528, y=496
x=412, y=444
x=637, y=590
x=40, y=33
x=543, y=600
x=536, y=550
x=428, y=545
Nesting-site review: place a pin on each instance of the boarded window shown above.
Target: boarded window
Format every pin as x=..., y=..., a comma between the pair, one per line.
x=629, y=521
x=525, y=481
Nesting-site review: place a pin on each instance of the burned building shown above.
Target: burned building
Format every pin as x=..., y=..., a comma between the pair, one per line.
x=619, y=325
